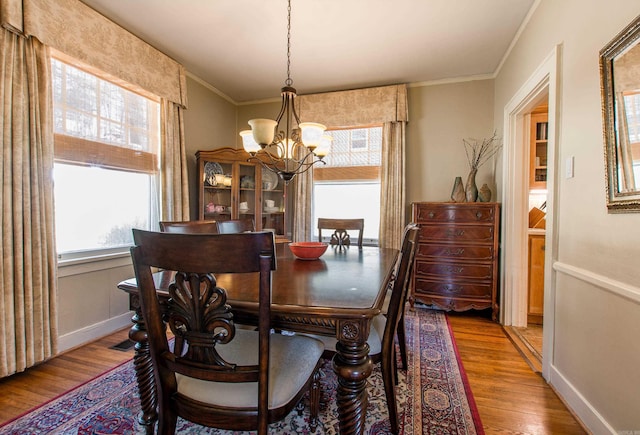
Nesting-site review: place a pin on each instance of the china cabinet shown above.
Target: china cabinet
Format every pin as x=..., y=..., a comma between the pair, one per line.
x=456, y=265
x=538, y=148
x=232, y=187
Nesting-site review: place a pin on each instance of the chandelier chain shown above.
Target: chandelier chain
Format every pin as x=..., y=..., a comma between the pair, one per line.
x=288, y=82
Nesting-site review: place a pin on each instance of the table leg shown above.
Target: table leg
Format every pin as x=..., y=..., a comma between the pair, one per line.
x=353, y=366
x=144, y=374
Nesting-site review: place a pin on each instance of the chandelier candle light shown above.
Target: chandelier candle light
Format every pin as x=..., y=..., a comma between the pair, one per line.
x=285, y=145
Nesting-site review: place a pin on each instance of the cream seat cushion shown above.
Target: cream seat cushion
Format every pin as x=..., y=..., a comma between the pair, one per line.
x=292, y=361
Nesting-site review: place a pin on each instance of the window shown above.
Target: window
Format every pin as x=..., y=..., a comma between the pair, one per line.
x=106, y=158
x=348, y=186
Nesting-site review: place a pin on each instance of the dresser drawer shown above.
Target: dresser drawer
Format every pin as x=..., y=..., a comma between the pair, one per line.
x=459, y=233
x=454, y=270
x=455, y=213
x=454, y=289
x=434, y=252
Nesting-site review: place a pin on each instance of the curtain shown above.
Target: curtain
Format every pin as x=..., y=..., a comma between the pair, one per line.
x=75, y=29
x=28, y=319
x=303, y=191
x=174, y=182
x=392, y=185
x=385, y=105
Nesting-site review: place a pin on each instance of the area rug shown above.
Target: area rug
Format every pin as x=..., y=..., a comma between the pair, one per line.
x=433, y=396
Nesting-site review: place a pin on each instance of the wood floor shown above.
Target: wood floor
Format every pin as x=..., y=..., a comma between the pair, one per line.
x=511, y=398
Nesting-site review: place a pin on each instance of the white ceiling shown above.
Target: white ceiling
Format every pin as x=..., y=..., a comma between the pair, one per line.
x=239, y=46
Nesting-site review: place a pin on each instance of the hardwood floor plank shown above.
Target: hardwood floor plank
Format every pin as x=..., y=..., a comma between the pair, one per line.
x=511, y=398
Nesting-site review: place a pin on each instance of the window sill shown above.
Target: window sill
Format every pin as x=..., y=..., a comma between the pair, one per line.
x=79, y=266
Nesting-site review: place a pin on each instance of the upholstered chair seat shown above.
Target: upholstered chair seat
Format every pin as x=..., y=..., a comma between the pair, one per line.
x=292, y=359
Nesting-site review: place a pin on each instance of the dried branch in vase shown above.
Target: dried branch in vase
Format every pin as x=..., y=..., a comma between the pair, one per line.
x=478, y=152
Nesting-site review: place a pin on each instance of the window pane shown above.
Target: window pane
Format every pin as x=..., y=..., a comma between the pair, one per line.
x=356, y=147
x=348, y=201
x=96, y=208
x=88, y=107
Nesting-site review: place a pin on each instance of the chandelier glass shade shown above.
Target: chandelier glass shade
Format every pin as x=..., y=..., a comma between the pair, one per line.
x=285, y=145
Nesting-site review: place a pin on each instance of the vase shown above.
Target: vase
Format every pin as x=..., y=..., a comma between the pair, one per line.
x=471, y=190
x=484, y=193
x=457, y=194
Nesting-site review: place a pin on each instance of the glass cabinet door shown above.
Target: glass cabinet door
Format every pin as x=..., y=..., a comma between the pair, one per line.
x=217, y=189
x=247, y=199
x=273, y=203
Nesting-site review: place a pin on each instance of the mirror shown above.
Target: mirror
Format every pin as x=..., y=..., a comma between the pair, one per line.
x=620, y=87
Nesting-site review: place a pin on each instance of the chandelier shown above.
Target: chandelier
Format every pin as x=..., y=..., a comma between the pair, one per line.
x=285, y=145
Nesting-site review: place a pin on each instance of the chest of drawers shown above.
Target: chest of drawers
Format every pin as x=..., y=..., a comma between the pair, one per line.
x=456, y=266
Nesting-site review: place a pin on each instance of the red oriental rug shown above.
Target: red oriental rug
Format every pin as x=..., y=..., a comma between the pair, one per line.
x=433, y=396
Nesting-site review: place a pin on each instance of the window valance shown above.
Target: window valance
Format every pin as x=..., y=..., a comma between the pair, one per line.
x=355, y=107
x=78, y=31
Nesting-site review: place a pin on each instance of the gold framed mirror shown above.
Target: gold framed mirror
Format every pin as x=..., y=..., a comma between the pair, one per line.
x=620, y=88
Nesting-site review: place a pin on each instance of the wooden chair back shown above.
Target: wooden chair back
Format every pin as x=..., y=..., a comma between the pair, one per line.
x=340, y=236
x=235, y=226
x=189, y=227
x=201, y=320
x=395, y=315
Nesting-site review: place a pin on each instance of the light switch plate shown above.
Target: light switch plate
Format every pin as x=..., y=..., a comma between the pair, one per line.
x=569, y=167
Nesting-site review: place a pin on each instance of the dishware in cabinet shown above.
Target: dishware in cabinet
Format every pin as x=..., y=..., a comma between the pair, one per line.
x=232, y=187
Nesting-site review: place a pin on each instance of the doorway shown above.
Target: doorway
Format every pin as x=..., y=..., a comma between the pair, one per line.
x=541, y=86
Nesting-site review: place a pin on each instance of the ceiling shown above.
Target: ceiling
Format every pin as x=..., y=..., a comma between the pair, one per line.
x=239, y=46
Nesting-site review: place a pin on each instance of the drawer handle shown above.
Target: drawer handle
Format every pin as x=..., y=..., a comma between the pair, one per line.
x=454, y=252
x=431, y=215
x=454, y=269
x=478, y=214
x=452, y=289
x=455, y=233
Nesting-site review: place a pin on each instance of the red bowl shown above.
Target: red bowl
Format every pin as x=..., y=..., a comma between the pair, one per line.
x=308, y=250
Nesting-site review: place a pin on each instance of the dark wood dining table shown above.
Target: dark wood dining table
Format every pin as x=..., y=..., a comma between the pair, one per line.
x=337, y=295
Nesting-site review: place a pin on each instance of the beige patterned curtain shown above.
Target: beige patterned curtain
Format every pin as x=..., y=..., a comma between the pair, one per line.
x=385, y=105
x=303, y=191
x=173, y=164
x=28, y=319
x=392, y=185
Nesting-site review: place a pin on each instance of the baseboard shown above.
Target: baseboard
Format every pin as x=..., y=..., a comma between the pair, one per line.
x=586, y=414
x=93, y=332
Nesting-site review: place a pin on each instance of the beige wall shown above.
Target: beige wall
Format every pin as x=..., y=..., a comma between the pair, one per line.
x=596, y=363
x=440, y=117
x=209, y=123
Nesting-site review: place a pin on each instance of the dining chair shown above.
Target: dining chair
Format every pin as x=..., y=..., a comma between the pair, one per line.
x=189, y=227
x=234, y=226
x=215, y=374
x=340, y=236
x=384, y=327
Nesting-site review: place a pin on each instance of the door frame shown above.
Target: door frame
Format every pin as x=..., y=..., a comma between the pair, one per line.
x=515, y=185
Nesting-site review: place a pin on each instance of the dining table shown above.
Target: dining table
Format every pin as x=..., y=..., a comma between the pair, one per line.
x=336, y=295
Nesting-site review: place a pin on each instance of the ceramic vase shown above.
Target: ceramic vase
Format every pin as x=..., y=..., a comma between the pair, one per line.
x=471, y=190
x=484, y=194
x=457, y=194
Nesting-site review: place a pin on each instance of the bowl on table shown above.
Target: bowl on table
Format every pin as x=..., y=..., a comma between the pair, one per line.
x=308, y=250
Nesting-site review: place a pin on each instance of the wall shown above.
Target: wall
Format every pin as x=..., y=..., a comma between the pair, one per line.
x=209, y=123
x=597, y=299
x=440, y=117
